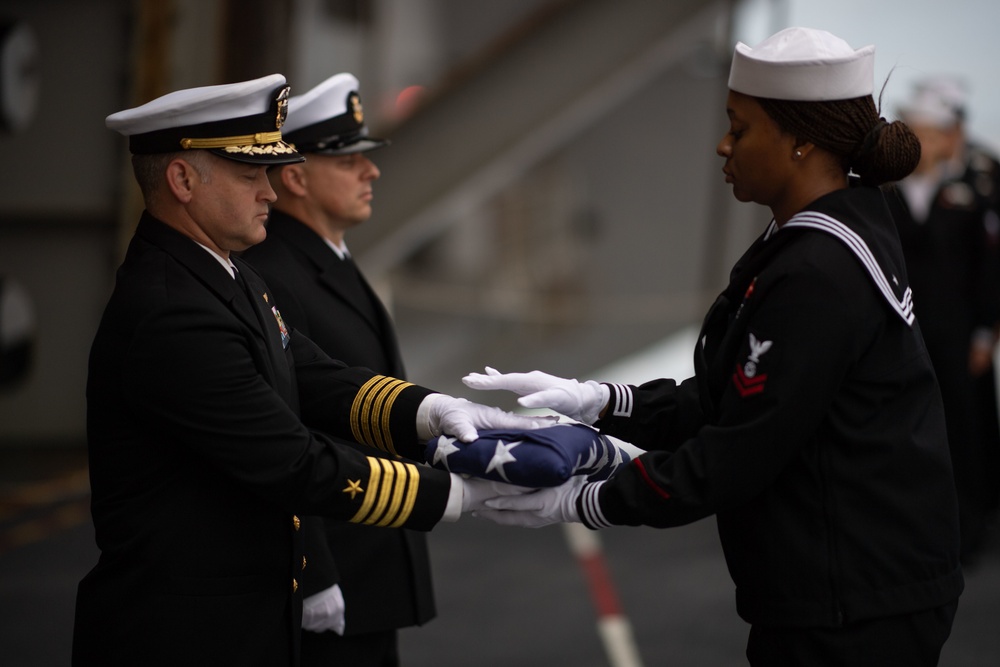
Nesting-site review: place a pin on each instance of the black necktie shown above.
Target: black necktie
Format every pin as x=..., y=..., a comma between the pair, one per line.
x=354, y=284
x=241, y=284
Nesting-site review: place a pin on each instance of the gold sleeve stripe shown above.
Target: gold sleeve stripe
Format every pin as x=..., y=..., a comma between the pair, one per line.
x=384, y=492
x=400, y=477
x=374, y=478
x=361, y=407
x=372, y=409
x=413, y=479
x=358, y=408
x=374, y=417
x=387, y=411
x=391, y=494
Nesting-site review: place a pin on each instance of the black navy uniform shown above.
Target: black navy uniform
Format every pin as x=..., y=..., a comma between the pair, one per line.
x=813, y=429
x=200, y=402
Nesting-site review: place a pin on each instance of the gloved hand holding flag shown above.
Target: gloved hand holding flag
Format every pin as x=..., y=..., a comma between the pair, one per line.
x=542, y=457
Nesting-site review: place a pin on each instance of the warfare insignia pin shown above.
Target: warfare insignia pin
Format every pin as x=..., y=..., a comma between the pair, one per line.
x=746, y=297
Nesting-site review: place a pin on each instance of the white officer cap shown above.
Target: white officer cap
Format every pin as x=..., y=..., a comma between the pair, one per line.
x=329, y=119
x=803, y=64
x=239, y=121
x=936, y=102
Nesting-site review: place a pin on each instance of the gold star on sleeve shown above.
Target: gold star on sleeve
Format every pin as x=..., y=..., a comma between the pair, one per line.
x=353, y=488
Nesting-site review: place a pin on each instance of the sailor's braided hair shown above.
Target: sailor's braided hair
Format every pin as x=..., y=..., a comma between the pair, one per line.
x=877, y=151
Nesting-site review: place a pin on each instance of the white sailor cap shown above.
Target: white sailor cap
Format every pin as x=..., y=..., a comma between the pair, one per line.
x=239, y=121
x=936, y=102
x=803, y=64
x=329, y=119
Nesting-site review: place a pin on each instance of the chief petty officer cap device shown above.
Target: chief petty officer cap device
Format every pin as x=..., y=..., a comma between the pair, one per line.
x=329, y=119
x=803, y=64
x=238, y=121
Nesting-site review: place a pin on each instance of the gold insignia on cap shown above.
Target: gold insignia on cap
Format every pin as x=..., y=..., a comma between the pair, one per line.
x=242, y=143
x=282, y=101
x=356, y=108
x=278, y=148
x=353, y=488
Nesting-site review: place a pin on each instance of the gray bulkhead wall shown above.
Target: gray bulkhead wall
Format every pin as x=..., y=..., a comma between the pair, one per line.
x=58, y=209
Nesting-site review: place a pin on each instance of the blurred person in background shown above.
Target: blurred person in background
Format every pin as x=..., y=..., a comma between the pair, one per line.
x=813, y=428
x=383, y=577
x=947, y=216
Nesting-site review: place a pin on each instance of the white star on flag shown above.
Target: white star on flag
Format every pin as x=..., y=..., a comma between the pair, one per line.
x=444, y=449
x=502, y=455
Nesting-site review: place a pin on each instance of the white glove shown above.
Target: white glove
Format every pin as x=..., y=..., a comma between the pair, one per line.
x=555, y=504
x=470, y=494
x=324, y=611
x=478, y=492
x=582, y=401
x=440, y=414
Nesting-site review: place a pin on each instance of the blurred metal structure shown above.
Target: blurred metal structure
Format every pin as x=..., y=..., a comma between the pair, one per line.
x=546, y=202
x=557, y=205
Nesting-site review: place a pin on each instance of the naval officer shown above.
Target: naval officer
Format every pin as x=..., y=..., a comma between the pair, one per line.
x=206, y=412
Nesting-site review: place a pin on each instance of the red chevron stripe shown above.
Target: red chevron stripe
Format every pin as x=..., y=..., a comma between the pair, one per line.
x=748, y=386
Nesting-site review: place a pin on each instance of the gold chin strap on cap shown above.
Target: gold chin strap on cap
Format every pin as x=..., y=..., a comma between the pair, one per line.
x=229, y=142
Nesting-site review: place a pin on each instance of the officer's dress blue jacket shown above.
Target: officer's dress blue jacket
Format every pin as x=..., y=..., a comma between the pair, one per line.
x=385, y=575
x=200, y=463
x=813, y=429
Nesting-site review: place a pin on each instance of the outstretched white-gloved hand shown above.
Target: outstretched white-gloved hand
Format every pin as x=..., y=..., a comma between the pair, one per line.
x=582, y=401
x=324, y=611
x=556, y=504
x=440, y=414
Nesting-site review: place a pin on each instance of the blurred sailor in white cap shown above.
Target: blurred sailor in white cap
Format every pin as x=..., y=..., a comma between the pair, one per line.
x=936, y=112
x=381, y=579
x=813, y=428
x=201, y=403
x=947, y=216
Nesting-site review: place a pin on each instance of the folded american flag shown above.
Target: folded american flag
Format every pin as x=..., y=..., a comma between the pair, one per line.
x=536, y=458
